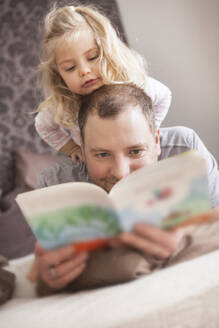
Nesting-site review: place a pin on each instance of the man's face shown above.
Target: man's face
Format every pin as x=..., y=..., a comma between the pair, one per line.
x=116, y=146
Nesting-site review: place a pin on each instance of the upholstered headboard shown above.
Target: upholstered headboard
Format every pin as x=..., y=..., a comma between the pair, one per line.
x=19, y=39
x=19, y=48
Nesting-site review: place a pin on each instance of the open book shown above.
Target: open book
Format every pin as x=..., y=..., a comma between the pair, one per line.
x=167, y=194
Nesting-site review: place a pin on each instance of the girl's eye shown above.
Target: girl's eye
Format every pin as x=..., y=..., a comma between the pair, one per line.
x=93, y=58
x=70, y=69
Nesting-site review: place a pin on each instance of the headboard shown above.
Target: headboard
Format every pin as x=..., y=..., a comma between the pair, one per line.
x=19, y=39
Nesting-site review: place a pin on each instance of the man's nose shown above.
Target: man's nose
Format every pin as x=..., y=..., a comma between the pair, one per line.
x=120, y=168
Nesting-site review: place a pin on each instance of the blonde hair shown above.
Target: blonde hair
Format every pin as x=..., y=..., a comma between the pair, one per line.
x=118, y=63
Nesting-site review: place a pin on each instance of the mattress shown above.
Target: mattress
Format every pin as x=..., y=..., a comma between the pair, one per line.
x=184, y=295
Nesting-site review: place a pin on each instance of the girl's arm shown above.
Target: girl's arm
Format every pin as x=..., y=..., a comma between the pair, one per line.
x=56, y=136
x=161, y=98
x=73, y=150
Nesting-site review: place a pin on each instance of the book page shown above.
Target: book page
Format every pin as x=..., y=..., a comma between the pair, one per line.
x=69, y=212
x=165, y=194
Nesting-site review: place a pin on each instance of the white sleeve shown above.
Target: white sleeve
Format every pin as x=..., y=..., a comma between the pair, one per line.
x=161, y=98
x=53, y=134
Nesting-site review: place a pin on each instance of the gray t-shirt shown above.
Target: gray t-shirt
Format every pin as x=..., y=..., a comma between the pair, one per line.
x=173, y=141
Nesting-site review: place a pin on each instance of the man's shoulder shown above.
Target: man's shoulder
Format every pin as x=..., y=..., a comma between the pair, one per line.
x=61, y=172
x=177, y=139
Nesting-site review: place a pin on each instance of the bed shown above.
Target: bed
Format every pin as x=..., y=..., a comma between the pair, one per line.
x=184, y=295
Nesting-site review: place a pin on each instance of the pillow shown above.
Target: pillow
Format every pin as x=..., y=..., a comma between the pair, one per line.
x=29, y=165
x=7, y=171
x=16, y=238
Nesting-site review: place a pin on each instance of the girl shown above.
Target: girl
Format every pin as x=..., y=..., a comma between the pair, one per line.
x=80, y=52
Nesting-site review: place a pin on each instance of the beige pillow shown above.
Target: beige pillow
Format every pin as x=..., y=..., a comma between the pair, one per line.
x=29, y=165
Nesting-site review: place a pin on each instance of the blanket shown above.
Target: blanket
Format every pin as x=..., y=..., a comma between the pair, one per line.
x=185, y=294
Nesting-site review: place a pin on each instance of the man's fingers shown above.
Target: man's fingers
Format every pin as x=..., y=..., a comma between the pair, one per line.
x=57, y=256
x=59, y=267
x=145, y=245
x=67, y=267
x=39, y=250
x=67, y=278
x=152, y=240
x=166, y=239
x=115, y=242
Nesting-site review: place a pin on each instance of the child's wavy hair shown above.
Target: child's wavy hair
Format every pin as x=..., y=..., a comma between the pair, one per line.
x=118, y=63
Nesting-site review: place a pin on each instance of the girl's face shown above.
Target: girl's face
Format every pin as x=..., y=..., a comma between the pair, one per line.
x=78, y=62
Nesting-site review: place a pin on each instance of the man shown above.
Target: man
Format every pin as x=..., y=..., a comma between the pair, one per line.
x=118, y=136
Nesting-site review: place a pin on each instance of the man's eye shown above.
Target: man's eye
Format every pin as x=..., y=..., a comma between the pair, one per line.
x=70, y=69
x=102, y=155
x=136, y=152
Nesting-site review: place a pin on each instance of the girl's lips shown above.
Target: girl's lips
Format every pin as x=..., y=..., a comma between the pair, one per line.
x=90, y=82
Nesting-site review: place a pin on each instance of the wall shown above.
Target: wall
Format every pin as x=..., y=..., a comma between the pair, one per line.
x=180, y=40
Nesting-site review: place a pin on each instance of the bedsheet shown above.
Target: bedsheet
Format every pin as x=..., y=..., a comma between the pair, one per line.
x=184, y=295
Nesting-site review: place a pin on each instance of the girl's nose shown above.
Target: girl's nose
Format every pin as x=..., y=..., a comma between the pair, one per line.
x=84, y=70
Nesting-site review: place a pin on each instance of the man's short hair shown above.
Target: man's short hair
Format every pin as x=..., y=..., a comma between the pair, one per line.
x=110, y=100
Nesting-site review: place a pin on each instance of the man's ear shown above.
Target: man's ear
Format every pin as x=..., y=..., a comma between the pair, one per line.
x=157, y=141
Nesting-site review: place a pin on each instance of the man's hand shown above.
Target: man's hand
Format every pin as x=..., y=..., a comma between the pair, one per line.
x=57, y=268
x=152, y=240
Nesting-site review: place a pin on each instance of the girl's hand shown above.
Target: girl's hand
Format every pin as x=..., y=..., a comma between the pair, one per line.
x=57, y=268
x=76, y=154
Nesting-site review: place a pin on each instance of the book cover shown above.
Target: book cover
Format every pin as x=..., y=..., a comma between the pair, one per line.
x=167, y=194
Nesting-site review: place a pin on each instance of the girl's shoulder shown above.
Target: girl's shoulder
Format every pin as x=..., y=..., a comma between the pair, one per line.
x=45, y=115
x=47, y=109
x=156, y=89
x=154, y=85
